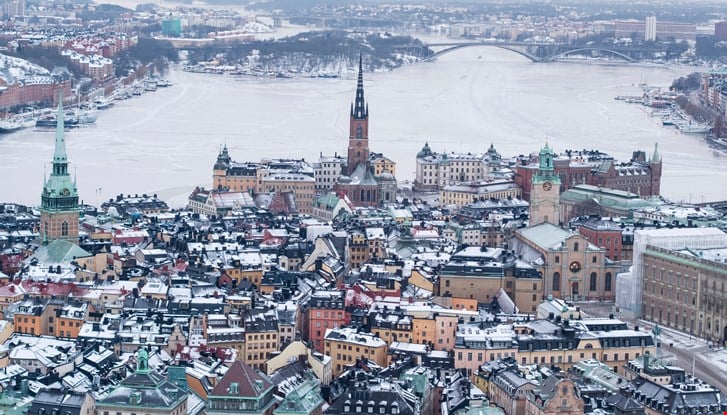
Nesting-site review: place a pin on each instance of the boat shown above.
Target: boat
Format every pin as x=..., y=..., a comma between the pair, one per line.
x=17, y=122
x=49, y=121
x=102, y=103
x=690, y=128
x=137, y=91
x=720, y=142
x=163, y=83
x=150, y=86
x=668, y=120
x=10, y=125
x=84, y=116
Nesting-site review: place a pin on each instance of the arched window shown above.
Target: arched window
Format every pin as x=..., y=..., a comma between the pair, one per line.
x=575, y=247
x=608, y=282
x=556, y=281
x=64, y=229
x=594, y=283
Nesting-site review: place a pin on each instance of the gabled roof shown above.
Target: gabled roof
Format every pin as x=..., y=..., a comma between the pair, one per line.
x=59, y=251
x=249, y=383
x=546, y=235
x=362, y=176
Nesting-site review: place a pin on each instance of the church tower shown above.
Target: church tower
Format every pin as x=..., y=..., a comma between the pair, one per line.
x=219, y=171
x=545, y=191
x=59, y=201
x=358, y=136
x=655, y=170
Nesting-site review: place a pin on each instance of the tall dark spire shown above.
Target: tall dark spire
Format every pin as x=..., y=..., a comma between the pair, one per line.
x=360, y=110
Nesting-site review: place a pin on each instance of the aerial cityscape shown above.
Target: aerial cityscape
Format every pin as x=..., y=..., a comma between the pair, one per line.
x=309, y=207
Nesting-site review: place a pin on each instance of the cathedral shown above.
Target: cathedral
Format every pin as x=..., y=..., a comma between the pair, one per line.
x=59, y=210
x=368, y=178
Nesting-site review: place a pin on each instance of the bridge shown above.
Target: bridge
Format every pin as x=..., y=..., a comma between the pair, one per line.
x=536, y=52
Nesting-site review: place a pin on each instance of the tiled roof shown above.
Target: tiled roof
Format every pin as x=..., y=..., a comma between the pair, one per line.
x=250, y=383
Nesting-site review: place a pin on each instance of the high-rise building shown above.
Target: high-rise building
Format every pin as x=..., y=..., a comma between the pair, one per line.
x=59, y=208
x=650, y=29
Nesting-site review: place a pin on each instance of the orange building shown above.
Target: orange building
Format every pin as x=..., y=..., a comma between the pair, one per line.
x=69, y=319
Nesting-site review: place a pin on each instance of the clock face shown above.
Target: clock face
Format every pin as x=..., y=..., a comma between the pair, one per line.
x=65, y=192
x=359, y=144
x=547, y=186
x=574, y=266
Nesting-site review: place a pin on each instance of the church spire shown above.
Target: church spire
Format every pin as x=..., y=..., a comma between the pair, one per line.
x=360, y=110
x=59, y=156
x=656, y=157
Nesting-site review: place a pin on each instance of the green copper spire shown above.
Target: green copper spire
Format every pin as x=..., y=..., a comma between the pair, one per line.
x=656, y=157
x=59, y=156
x=546, y=159
x=142, y=361
x=59, y=189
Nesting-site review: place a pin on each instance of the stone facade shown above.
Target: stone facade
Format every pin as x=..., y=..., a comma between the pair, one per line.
x=685, y=290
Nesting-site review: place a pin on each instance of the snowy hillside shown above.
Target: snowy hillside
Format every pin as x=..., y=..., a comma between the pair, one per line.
x=12, y=68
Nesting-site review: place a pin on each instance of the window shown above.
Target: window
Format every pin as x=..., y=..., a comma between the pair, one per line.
x=556, y=281
x=595, y=259
x=608, y=282
x=575, y=247
x=594, y=281
x=64, y=229
x=557, y=259
x=446, y=283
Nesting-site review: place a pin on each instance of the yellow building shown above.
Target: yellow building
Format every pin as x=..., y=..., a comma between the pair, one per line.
x=302, y=186
x=382, y=164
x=346, y=346
x=463, y=194
x=358, y=250
x=422, y=330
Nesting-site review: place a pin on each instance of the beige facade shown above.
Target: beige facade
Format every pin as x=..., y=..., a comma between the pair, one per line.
x=346, y=346
x=561, y=399
x=686, y=292
x=320, y=364
x=572, y=268
x=302, y=186
x=383, y=165
x=524, y=291
x=503, y=391
x=544, y=203
x=466, y=193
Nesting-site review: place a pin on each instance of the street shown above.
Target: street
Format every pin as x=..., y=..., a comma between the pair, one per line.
x=683, y=349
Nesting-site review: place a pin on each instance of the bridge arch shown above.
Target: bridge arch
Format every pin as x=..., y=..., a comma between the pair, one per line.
x=468, y=45
x=577, y=50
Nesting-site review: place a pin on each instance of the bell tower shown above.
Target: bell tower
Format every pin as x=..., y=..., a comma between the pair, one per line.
x=59, y=208
x=358, y=136
x=545, y=191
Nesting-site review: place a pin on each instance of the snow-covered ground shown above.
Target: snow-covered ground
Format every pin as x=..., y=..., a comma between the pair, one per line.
x=12, y=68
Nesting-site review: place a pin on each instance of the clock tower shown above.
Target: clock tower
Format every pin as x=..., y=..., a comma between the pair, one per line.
x=59, y=201
x=358, y=136
x=545, y=191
